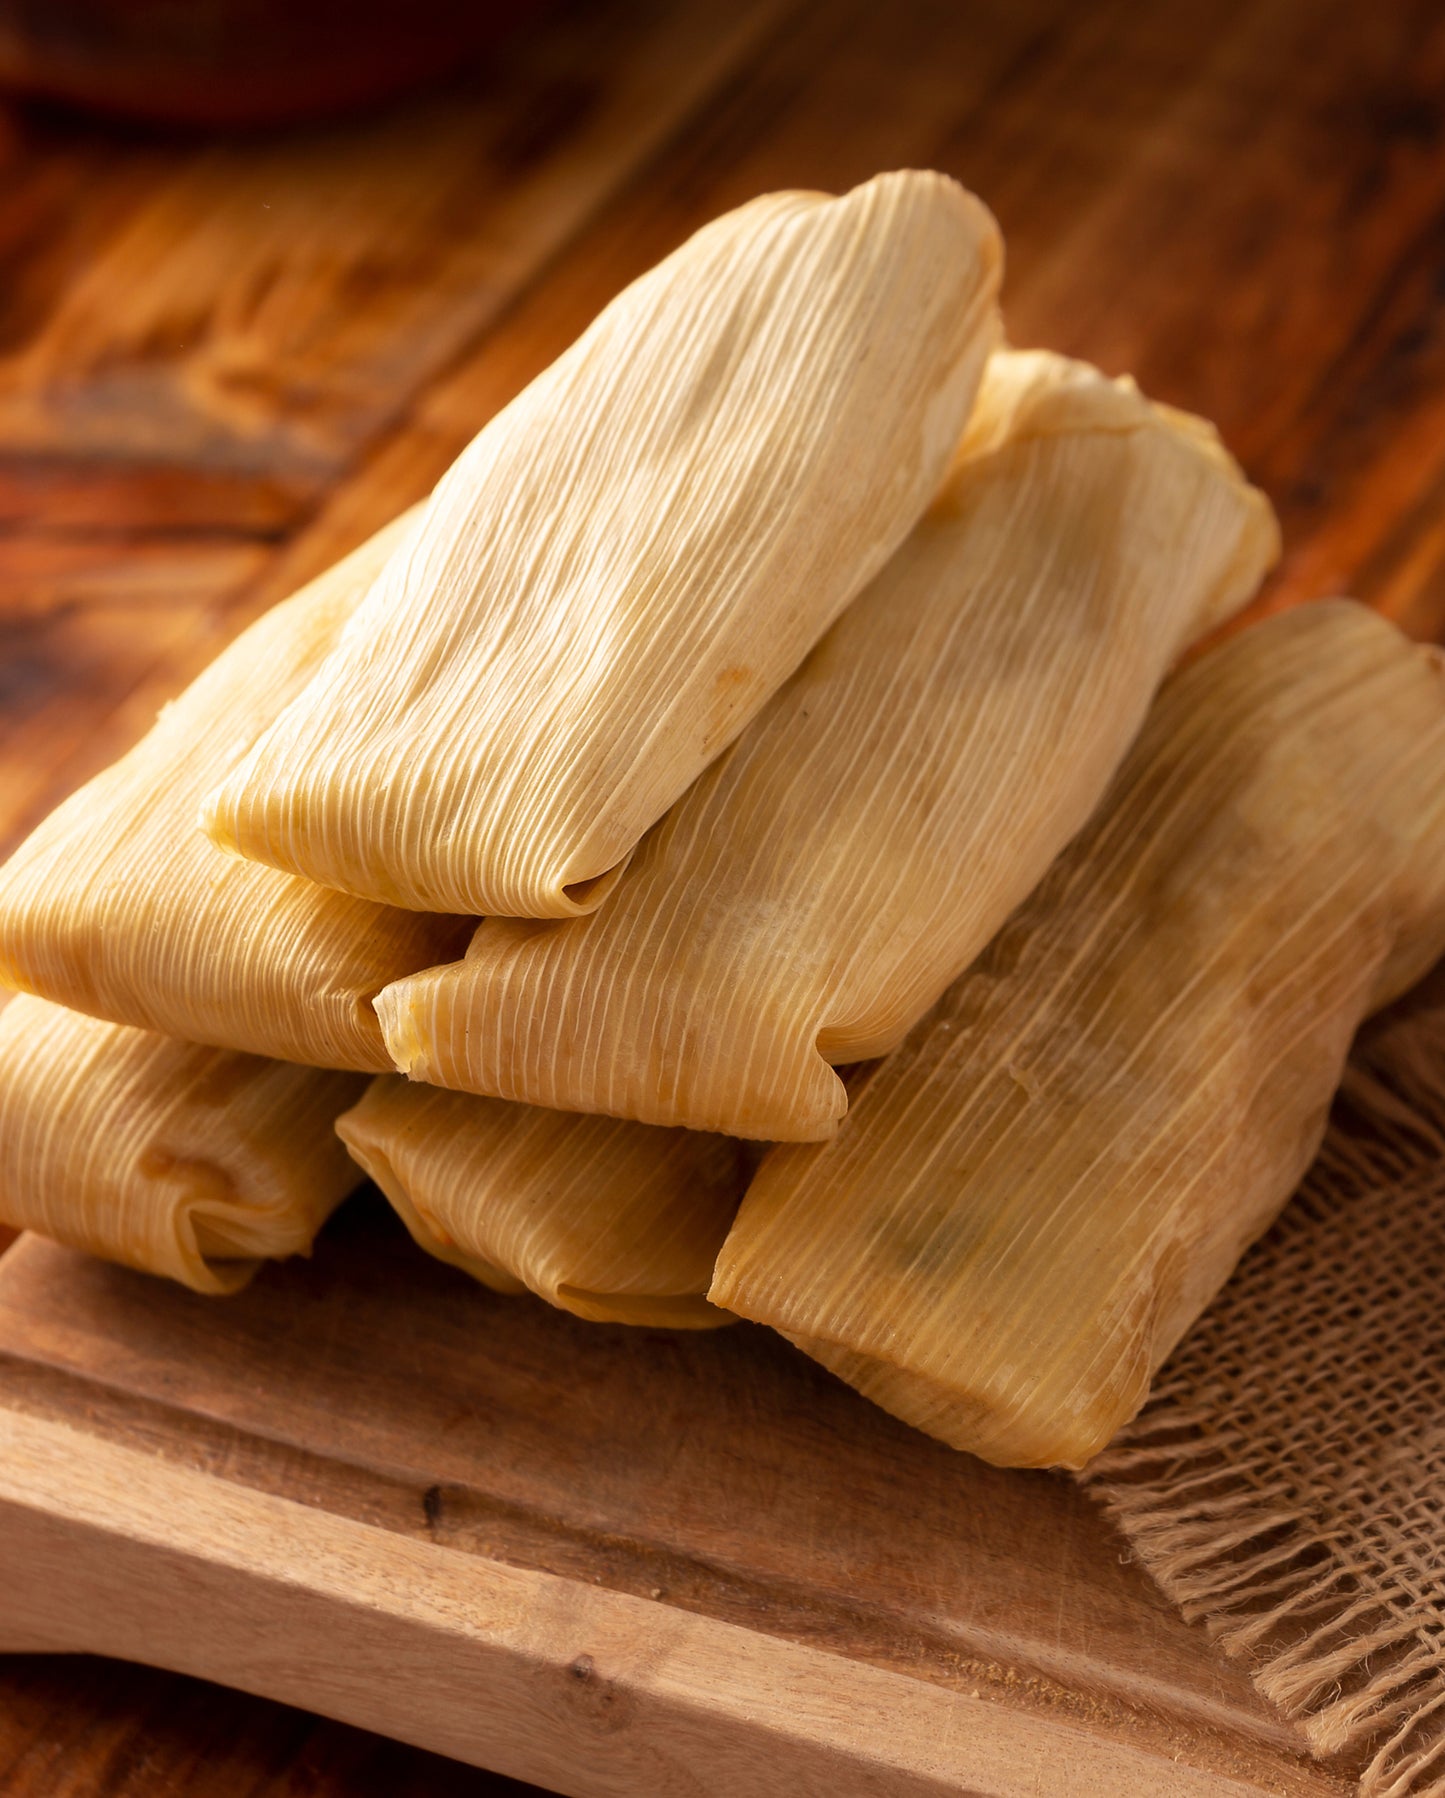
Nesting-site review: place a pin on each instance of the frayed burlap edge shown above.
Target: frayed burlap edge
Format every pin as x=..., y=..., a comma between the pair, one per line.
x=1285, y=1485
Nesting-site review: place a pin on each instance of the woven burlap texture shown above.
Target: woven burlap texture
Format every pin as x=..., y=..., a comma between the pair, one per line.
x=1285, y=1485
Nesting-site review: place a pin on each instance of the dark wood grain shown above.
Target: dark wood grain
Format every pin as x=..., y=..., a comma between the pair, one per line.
x=1208, y=196
x=74, y=1727
x=191, y=359
x=222, y=362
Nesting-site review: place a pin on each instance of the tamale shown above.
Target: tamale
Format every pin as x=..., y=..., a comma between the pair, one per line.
x=632, y=556
x=194, y=1163
x=119, y=906
x=817, y=889
x=616, y=1222
x=1036, y=1196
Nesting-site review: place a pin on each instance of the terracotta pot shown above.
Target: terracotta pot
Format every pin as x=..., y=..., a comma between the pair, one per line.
x=238, y=62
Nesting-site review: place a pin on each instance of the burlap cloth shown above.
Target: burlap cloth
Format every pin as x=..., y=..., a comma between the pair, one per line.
x=1286, y=1482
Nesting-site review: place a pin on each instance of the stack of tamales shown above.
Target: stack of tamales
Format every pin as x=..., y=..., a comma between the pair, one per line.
x=793, y=679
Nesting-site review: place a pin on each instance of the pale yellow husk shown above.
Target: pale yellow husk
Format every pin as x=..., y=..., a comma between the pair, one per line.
x=817, y=889
x=613, y=1221
x=1034, y=1198
x=628, y=561
x=119, y=906
x=194, y=1163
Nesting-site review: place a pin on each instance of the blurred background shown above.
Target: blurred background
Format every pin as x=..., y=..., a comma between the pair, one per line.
x=241, y=63
x=267, y=265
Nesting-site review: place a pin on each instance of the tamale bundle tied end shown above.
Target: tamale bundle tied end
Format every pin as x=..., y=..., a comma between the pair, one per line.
x=197, y=1164
x=632, y=556
x=614, y=1222
x=1034, y=1198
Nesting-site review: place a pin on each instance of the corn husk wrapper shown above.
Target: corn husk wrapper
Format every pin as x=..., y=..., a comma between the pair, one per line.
x=1035, y=1197
x=818, y=888
x=193, y=1163
x=632, y=556
x=612, y=1221
x=119, y=906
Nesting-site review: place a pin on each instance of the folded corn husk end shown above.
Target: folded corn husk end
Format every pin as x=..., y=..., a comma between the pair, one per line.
x=1001, y=1419
x=614, y=1222
x=644, y=1311
x=193, y=1163
x=430, y=1033
x=771, y=408
x=378, y=1166
x=982, y=1424
x=1028, y=394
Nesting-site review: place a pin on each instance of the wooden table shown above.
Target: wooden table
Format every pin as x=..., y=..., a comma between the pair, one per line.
x=222, y=362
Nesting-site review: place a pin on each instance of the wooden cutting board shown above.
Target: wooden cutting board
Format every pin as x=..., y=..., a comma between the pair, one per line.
x=615, y=1562
x=611, y=1561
